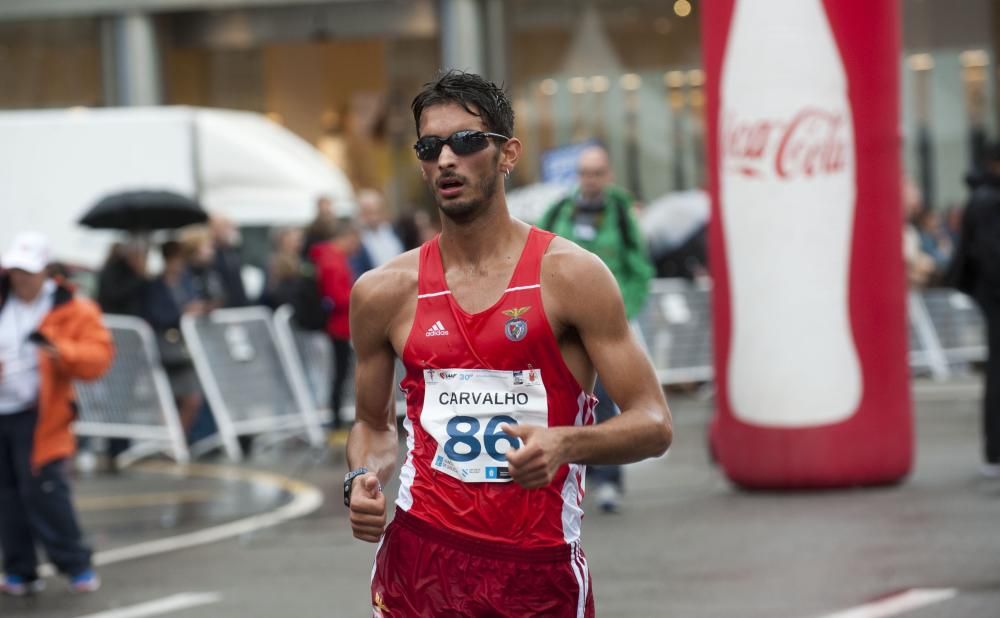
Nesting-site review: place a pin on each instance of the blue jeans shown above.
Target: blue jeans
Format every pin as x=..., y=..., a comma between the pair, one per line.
x=35, y=507
x=606, y=409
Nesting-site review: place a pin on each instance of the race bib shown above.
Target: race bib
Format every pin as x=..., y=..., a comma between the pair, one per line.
x=464, y=410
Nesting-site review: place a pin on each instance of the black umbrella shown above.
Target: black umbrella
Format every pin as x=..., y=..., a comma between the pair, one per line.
x=144, y=210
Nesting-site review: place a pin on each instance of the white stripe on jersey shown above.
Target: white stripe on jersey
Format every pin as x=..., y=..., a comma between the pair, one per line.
x=433, y=294
x=573, y=486
x=572, y=496
x=404, y=499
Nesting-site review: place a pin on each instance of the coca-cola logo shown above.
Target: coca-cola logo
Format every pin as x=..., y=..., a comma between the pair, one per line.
x=813, y=142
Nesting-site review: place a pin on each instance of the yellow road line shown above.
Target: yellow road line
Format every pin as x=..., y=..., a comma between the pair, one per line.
x=132, y=501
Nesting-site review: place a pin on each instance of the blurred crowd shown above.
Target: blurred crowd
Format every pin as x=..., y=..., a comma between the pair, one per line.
x=310, y=268
x=930, y=238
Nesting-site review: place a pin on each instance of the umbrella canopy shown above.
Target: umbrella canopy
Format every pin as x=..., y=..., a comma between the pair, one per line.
x=670, y=221
x=144, y=210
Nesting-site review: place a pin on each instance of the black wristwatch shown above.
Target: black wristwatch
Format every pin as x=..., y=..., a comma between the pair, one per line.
x=349, y=480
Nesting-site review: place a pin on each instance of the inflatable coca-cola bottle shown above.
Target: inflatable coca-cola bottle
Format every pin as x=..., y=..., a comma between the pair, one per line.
x=809, y=296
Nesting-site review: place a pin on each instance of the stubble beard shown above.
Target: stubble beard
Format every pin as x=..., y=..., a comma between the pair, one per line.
x=470, y=209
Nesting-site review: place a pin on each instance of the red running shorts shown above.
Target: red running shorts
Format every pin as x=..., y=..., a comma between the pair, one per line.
x=422, y=571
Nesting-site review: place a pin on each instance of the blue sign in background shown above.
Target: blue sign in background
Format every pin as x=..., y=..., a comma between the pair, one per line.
x=559, y=164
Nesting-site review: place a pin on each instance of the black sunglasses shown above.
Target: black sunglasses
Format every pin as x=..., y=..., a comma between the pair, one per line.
x=461, y=143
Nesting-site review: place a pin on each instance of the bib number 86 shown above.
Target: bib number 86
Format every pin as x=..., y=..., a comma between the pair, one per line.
x=468, y=436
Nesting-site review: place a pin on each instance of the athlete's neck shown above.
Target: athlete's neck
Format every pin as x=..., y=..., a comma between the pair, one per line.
x=476, y=242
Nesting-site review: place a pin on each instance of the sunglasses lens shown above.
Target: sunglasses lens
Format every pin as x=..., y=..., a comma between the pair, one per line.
x=464, y=143
x=428, y=148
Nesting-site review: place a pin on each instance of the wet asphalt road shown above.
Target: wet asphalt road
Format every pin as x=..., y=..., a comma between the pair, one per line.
x=685, y=544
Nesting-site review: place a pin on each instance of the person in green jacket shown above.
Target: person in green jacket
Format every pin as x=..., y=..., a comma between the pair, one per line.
x=598, y=217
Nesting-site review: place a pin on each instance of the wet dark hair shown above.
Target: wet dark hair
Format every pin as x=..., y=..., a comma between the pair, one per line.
x=476, y=95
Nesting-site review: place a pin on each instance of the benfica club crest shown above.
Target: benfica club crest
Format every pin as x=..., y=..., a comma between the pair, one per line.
x=516, y=328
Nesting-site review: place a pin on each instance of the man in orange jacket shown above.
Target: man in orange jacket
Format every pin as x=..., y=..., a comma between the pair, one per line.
x=48, y=338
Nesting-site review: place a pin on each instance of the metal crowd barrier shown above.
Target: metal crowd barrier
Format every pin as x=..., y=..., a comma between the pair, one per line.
x=946, y=331
x=949, y=329
x=676, y=327
x=252, y=382
x=312, y=355
x=133, y=399
x=260, y=374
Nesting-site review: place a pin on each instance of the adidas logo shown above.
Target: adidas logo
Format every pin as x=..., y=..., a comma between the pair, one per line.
x=437, y=330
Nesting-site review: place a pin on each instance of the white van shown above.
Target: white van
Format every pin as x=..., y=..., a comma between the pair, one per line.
x=55, y=165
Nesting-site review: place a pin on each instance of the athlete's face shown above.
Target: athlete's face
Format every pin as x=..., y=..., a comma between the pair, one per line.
x=463, y=185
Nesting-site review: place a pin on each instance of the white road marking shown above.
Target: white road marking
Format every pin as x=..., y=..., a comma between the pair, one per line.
x=897, y=603
x=166, y=605
x=306, y=498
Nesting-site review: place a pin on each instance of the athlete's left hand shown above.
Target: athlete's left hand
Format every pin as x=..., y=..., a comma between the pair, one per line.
x=535, y=464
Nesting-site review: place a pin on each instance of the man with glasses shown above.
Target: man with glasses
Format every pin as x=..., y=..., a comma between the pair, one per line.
x=598, y=217
x=502, y=328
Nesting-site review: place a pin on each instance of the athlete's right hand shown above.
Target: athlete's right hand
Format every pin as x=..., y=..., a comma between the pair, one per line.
x=367, y=508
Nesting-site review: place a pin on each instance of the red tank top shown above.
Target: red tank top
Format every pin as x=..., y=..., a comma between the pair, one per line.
x=466, y=375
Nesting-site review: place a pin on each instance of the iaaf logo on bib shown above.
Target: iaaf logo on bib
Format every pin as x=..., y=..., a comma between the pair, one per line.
x=437, y=329
x=813, y=142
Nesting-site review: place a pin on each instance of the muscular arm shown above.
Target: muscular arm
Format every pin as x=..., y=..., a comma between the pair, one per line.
x=376, y=304
x=373, y=442
x=594, y=307
x=582, y=294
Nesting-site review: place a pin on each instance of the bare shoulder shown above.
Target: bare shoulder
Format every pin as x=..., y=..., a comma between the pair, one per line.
x=390, y=284
x=578, y=289
x=572, y=271
x=382, y=297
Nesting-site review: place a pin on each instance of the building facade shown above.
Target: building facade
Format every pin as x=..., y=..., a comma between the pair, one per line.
x=341, y=74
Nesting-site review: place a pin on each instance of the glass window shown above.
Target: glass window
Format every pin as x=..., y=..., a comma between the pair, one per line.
x=51, y=63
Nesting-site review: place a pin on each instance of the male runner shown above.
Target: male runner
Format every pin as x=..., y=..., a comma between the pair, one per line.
x=501, y=327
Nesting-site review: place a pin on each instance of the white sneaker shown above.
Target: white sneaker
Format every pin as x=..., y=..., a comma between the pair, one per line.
x=608, y=498
x=86, y=463
x=990, y=471
x=16, y=586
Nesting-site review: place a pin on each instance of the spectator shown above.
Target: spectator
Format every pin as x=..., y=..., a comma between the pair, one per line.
x=953, y=224
x=598, y=217
x=319, y=231
x=48, y=338
x=318, y=228
x=122, y=279
x=121, y=285
x=415, y=228
x=934, y=241
x=198, y=257
x=377, y=234
x=284, y=268
x=335, y=280
x=975, y=270
x=919, y=265
x=227, y=263
x=168, y=297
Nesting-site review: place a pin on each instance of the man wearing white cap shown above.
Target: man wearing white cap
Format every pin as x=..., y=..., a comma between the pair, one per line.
x=48, y=338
